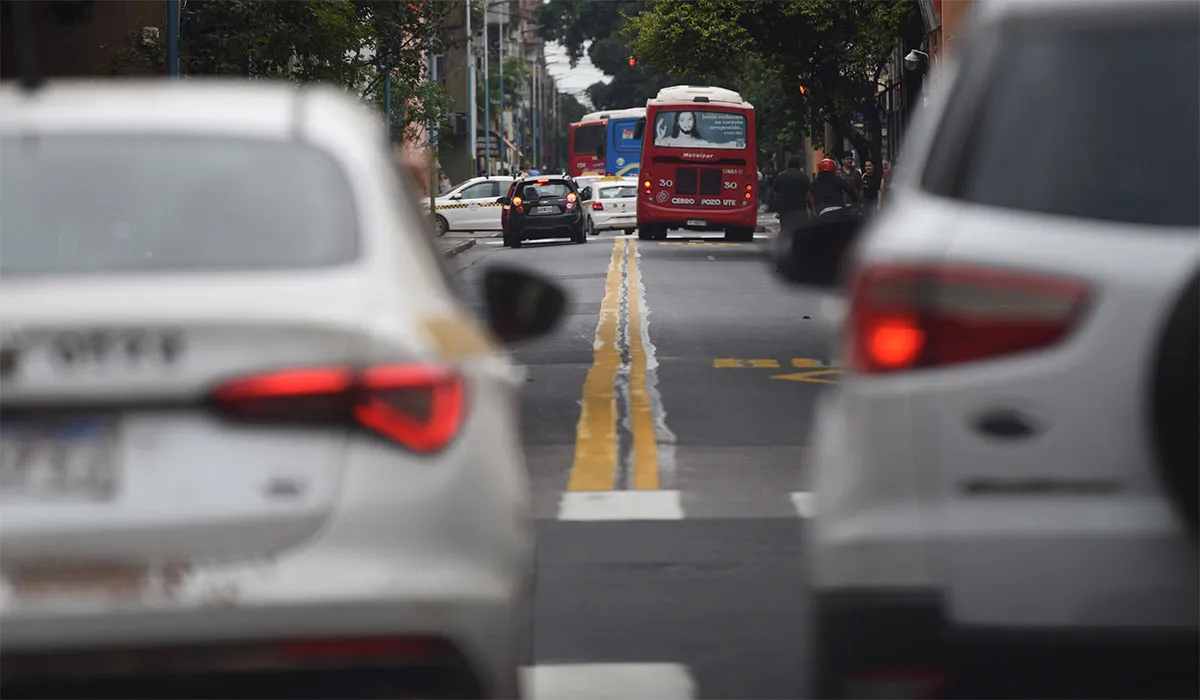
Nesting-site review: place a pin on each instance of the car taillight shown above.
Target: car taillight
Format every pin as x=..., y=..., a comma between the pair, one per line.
x=420, y=407
x=571, y=198
x=597, y=206
x=516, y=202
x=905, y=317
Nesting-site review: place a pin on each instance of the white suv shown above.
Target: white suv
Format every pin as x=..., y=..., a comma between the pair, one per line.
x=1005, y=485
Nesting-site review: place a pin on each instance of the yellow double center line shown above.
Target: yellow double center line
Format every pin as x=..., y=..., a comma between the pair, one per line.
x=597, y=453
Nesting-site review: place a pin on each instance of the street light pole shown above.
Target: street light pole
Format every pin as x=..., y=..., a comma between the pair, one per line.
x=173, y=38
x=472, y=107
x=487, y=92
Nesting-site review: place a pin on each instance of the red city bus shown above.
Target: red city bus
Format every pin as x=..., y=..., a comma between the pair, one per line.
x=699, y=170
x=588, y=137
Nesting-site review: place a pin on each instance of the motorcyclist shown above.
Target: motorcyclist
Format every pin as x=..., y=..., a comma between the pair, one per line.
x=828, y=193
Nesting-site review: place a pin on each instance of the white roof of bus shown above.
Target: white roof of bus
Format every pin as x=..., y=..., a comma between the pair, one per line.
x=631, y=112
x=698, y=93
x=594, y=116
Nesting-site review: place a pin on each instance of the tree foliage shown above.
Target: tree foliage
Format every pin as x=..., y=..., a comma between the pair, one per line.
x=351, y=43
x=836, y=49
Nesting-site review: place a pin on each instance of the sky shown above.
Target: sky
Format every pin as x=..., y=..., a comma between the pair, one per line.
x=572, y=80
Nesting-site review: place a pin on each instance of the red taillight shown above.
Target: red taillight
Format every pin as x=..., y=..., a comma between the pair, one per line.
x=906, y=317
x=646, y=180
x=571, y=199
x=418, y=406
x=371, y=648
x=597, y=206
x=516, y=202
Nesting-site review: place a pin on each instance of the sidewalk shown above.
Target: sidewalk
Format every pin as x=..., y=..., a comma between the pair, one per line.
x=457, y=243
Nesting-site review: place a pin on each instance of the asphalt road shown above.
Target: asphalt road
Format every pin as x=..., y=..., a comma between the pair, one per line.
x=666, y=422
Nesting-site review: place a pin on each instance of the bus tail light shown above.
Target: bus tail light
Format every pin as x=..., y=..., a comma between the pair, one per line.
x=646, y=180
x=913, y=316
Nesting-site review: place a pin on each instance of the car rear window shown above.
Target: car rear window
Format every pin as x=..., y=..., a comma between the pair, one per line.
x=549, y=189
x=1095, y=121
x=618, y=192
x=98, y=204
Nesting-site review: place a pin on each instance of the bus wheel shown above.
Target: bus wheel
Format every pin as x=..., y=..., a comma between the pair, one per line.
x=739, y=235
x=645, y=233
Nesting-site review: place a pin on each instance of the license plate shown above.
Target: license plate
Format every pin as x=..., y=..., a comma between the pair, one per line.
x=697, y=222
x=57, y=459
x=545, y=210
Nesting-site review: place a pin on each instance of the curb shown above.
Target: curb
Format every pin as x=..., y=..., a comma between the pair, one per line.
x=458, y=248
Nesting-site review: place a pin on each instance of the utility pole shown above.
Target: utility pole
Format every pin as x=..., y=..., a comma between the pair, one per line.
x=500, y=39
x=487, y=91
x=173, y=38
x=472, y=108
x=433, y=161
x=387, y=97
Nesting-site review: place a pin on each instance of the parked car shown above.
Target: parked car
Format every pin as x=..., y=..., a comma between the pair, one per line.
x=250, y=440
x=470, y=206
x=1005, y=483
x=542, y=208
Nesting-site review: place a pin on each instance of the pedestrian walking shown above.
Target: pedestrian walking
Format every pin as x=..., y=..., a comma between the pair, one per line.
x=852, y=176
x=443, y=183
x=791, y=194
x=872, y=187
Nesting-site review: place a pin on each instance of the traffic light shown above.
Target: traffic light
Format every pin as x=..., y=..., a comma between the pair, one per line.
x=632, y=61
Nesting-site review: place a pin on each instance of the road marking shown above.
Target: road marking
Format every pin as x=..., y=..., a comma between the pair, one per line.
x=620, y=505
x=727, y=362
x=814, y=377
x=645, y=445
x=808, y=362
x=805, y=505
x=608, y=682
x=595, y=464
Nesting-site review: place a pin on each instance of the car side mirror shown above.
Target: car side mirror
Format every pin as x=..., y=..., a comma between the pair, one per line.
x=504, y=200
x=813, y=254
x=456, y=196
x=521, y=305
x=585, y=194
x=639, y=129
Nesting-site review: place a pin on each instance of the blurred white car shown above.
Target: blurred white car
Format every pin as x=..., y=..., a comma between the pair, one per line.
x=471, y=205
x=1005, y=483
x=613, y=207
x=250, y=438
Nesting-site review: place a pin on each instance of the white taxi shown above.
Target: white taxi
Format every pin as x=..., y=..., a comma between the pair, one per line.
x=613, y=206
x=471, y=206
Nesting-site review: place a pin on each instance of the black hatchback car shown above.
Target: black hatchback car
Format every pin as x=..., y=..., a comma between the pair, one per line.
x=543, y=207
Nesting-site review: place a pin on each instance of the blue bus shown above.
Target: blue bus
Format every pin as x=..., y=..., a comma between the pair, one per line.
x=623, y=151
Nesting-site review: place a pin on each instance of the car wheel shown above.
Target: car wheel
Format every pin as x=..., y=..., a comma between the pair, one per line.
x=1175, y=407
x=590, y=226
x=578, y=235
x=440, y=225
x=628, y=231
x=516, y=239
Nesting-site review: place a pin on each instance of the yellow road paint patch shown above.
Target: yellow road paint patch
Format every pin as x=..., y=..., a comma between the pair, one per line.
x=595, y=464
x=456, y=337
x=645, y=445
x=726, y=362
x=816, y=377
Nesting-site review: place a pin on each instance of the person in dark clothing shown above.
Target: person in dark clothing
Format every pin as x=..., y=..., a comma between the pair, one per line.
x=872, y=183
x=829, y=191
x=853, y=177
x=791, y=193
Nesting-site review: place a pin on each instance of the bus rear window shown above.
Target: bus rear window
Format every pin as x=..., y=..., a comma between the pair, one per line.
x=689, y=129
x=589, y=139
x=623, y=139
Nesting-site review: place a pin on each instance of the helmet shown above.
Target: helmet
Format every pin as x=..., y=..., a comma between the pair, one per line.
x=827, y=165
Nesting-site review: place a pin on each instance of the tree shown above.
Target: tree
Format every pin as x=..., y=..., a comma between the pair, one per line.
x=351, y=43
x=836, y=49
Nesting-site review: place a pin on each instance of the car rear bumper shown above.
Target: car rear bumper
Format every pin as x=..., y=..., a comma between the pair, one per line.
x=906, y=638
x=563, y=226
x=678, y=217
x=615, y=222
